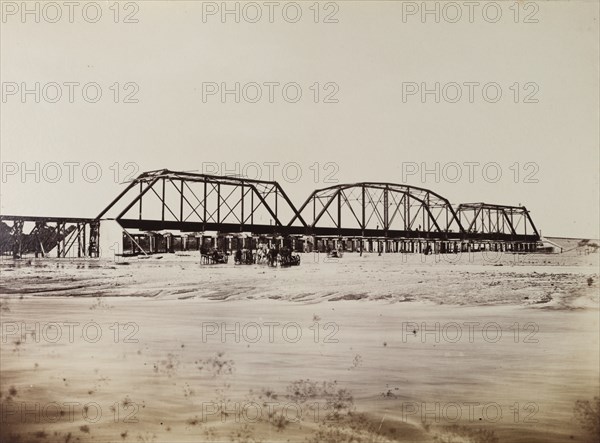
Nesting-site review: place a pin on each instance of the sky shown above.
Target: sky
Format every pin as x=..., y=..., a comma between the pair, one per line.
x=363, y=70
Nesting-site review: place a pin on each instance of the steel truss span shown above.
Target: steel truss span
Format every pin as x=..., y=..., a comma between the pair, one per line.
x=486, y=219
x=400, y=211
x=381, y=210
x=190, y=202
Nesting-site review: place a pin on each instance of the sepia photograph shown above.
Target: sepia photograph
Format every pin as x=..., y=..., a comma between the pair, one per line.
x=311, y=221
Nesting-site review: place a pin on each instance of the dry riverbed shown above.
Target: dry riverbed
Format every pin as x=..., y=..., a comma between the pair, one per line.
x=361, y=349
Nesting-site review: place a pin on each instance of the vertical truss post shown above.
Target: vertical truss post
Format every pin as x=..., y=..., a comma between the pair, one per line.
x=339, y=209
x=364, y=226
x=204, y=221
x=162, y=209
x=218, y=202
x=242, y=208
x=407, y=223
x=428, y=218
x=140, y=207
x=276, y=195
x=386, y=222
x=181, y=202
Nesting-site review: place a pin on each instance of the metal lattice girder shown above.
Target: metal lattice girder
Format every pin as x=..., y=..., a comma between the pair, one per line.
x=67, y=236
x=199, y=202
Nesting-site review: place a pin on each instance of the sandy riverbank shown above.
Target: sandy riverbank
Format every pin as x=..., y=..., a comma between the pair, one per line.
x=370, y=348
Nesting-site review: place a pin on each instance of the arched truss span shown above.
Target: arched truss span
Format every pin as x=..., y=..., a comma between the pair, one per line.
x=381, y=209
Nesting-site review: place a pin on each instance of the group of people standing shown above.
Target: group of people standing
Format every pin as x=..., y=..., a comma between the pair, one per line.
x=267, y=255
